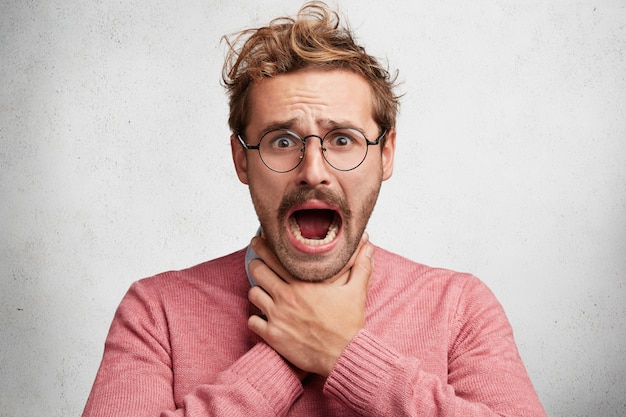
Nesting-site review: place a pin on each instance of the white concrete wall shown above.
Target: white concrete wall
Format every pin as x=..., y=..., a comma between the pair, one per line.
x=115, y=165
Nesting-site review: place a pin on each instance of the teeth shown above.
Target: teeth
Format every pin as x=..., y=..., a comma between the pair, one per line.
x=330, y=235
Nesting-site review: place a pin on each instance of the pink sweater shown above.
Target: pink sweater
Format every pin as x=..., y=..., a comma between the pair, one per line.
x=436, y=343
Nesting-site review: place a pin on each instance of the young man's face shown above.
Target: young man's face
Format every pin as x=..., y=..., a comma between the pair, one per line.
x=313, y=216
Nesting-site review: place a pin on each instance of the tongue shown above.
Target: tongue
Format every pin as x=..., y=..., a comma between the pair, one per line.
x=314, y=224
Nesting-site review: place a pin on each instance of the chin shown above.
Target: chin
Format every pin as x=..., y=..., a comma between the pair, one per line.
x=314, y=267
x=315, y=273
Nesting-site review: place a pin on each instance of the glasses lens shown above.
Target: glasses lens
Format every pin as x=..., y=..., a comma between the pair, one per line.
x=281, y=150
x=345, y=149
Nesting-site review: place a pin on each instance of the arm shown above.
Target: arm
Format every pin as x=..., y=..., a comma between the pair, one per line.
x=306, y=321
x=486, y=376
x=136, y=376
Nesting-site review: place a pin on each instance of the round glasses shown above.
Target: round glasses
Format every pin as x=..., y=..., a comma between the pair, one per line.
x=282, y=150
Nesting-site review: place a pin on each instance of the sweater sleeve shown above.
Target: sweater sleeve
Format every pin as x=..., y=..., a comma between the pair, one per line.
x=135, y=377
x=486, y=376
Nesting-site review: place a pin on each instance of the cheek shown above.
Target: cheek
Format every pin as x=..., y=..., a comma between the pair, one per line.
x=266, y=192
x=362, y=193
x=361, y=182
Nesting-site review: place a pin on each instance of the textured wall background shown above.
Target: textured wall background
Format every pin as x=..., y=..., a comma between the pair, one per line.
x=115, y=165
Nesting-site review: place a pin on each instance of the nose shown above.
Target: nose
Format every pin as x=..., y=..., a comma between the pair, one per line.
x=313, y=170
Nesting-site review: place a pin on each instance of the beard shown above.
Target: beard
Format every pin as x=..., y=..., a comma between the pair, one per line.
x=315, y=267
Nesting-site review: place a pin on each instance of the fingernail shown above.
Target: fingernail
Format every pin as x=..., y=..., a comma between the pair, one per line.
x=365, y=237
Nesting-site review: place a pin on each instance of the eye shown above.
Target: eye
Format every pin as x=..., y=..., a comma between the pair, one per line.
x=341, y=139
x=282, y=141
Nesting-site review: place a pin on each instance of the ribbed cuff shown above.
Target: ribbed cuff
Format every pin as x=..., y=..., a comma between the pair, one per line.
x=270, y=375
x=358, y=374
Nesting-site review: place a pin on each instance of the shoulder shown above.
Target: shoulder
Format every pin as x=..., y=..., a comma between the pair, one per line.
x=173, y=302
x=223, y=274
x=397, y=274
x=406, y=271
x=462, y=297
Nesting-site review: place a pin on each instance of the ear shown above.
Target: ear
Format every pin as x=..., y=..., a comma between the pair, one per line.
x=240, y=159
x=388, y=153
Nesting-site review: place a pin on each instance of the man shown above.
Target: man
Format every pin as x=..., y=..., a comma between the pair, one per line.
x=311, y=319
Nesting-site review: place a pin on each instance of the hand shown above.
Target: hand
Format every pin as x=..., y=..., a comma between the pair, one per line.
x=309, y=324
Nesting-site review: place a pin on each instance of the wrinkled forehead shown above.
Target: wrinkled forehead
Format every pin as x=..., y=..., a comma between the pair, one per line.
x=311, y=99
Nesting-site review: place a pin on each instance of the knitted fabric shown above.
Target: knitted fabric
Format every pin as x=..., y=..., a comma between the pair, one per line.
x=435, y=343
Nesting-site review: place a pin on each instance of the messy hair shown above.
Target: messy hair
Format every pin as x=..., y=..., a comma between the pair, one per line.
x=315, y=38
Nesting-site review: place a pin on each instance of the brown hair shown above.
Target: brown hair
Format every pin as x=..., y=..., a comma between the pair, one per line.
x=314, y=39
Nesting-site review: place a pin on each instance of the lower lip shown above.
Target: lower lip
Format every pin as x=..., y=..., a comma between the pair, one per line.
x=312, y=250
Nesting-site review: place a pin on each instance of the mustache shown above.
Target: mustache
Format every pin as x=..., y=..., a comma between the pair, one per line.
x=302, y=195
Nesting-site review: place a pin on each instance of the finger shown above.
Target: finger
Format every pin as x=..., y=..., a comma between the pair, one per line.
x=265, y=277
x=262, y=249
x=364, y=239
x=261, y=299
x=257, y=325
x=363, y=266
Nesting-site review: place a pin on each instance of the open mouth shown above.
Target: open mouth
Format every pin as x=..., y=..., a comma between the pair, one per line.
x=315, y=227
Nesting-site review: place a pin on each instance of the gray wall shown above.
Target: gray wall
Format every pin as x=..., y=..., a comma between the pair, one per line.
x=115, y=165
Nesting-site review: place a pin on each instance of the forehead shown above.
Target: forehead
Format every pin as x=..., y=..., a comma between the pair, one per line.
x=310, y=99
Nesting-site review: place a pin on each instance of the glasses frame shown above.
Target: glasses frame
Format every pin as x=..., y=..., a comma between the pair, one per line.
x=304, y=140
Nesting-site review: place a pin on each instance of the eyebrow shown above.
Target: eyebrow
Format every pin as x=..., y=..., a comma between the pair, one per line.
x=287, y=124
x=328, y=124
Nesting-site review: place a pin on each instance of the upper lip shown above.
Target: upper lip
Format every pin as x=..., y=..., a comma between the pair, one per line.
x=313, y=205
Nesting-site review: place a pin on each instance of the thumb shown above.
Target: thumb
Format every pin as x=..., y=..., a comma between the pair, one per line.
x=363, y=266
